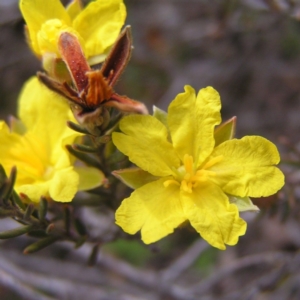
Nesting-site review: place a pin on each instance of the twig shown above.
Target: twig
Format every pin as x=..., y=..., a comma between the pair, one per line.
x=251, y=260
x=147, y=279
x=59, y=287
x=20, y=288
x=182, y=263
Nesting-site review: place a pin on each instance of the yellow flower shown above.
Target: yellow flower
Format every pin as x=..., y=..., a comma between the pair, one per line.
x=188, y=176
x=36, y=146
x=97, y=26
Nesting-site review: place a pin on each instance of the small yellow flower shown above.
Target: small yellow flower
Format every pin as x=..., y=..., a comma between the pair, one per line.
x=36, y=146
x=189, y=175
x=97, y=26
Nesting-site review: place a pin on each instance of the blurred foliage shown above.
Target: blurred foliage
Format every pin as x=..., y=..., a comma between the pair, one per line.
x=131, y=251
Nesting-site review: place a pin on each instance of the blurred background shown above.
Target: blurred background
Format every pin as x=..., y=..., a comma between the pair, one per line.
x=249, y=50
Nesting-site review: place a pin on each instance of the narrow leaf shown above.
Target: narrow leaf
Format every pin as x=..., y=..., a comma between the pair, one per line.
x=17, y=200
x=28, y=212
x=225, y=131
x=15, y=232
x=41, y=244
x=43, y=207
x=84, y=157
x=80, y=228
x=93, y=256
x=84, y=148
x=77, y=127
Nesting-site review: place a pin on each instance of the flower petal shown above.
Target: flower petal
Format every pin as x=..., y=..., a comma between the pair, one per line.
x=34, y=191
x=74, y=8
x=64, y=185
x=99, y=24
x=23, y=151
x=134, y=177
x=192, y=120
x=210, y=213
x=37, y=12
x=89, y=178
x=153, y=209
x=37, y=108
x=247, y=167
x=145, y=143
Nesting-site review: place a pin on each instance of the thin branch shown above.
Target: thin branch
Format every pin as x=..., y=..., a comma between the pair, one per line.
x=147, y=279
x=182, y=263
x=248, y=261
x=59, y=287
x=20, y=288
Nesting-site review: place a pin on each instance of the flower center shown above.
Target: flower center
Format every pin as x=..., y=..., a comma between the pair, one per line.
x=189, y=177
x=30, y=156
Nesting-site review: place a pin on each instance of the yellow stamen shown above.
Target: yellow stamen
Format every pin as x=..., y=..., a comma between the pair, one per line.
x=213, y=161
x=171, y=181
x=189, y=178
x=186, y=186
x=201, y=173
x=188, y=163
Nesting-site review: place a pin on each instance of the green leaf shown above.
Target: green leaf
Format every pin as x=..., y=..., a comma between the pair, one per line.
x=40, y=244
x=17, y=200
x=16, y=125
x=84, y=148
x=80, y=242
x=89, y=160
x=92, y=260
x=43, y=207
x=8, y=185
x=225, y=131
x=160, y=115
x=243, y=204
x=80, y=227
x=28, y=212
x=3, y=176
x=77, y=127
x=15, y=232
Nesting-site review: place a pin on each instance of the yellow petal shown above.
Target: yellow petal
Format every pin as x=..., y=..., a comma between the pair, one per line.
x=23, y=151
x=37, y=12
x=64, y=185
x=34, y=191
x=153, y=209
x=145, y=142
x=74, y=8
x=210, y=213
x=99, y=24
x=60, y=156
x=89, y=178
x=45, y=113
x=134, y=177
x=247, y=167
x=192, y=120
x=48, y=36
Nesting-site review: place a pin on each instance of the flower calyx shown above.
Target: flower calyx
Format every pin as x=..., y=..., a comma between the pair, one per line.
x=89, y=89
